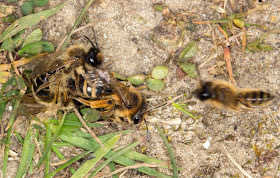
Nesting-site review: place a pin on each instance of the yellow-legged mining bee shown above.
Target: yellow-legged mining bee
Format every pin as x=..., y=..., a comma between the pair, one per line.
x=225, y=95
x=66, y=79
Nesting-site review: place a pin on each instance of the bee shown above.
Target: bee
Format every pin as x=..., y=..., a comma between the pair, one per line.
x=223, y=94
x=74, y=77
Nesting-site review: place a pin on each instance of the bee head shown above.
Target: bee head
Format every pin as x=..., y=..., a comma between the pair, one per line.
x=135, y=110
x=139, y=116
x=93, y=56
x=204, y=91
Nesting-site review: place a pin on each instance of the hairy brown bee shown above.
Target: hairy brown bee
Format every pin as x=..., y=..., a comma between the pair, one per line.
x=73, y=77
x=223, y=94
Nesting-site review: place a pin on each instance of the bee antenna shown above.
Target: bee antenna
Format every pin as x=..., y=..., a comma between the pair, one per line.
x=148, y=134
x=94, y=46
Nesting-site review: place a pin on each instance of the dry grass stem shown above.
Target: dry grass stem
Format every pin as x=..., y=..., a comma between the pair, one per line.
x=235, y=163
x=88, y=129
x=38, y=146
x=134, y=167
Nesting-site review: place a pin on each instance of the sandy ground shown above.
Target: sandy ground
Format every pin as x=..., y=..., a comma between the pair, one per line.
x=124, y=31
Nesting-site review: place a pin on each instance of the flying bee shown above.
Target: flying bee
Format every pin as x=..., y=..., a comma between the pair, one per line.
x=67, y=79
x=223, y=94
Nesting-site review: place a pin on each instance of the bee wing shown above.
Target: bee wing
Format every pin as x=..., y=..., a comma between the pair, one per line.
x=29, y=106
x=114, y=85
x=48, y=63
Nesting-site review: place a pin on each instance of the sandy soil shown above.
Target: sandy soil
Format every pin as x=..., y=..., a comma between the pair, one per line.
x=124, y=31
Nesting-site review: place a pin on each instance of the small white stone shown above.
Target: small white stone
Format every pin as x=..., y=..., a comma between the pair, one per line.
x=10, y=108
x=206, y=144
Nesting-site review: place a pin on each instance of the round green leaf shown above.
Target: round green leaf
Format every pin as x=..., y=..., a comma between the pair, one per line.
x=155, y=84
x=48, y=47
x=160, y=72
x=27, y=8
x=136, y=79
x=189, y=51
x=90, y=114
x=189, y=69
x=34, y=36
x=40, y=3
x=239, y=23
x=118, y=76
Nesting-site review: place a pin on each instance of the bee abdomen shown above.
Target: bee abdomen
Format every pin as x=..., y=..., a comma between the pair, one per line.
x=255, y=97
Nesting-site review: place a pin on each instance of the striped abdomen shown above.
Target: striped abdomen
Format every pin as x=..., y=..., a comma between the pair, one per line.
x=254, y=98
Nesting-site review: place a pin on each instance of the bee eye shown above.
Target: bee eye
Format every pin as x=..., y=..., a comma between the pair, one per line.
x=129, y=106
x=136, y=120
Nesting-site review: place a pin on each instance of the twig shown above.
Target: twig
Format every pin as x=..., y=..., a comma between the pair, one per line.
x=12, y=60
x=165, y=103
x=38, y=146
x=235, y=163
x=134, y=167
x=228, y=62
x=88, y=129
x=274, y=121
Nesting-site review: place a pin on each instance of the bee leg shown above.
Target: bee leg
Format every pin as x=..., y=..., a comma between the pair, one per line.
x=107, y=113
x=107, y=104
x=141, y=87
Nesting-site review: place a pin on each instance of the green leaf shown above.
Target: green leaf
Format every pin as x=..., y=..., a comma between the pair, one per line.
x=27, y=152
x=169, y=149
x=263, y=47
x=88, y=165
x=189, y=69
x=160, y=72
x=189, y=51
x=182, y=107
x=158, y=7
x=40, y=3
x=9, y=19
x=48, y=147
x=118, y=76
x=68, y=163
x=155, y=84
x=93, y=146
x=48, y=47
x=90, y=114
x=124, y=150
x=34, y=36
x=27, y=8
x=9, y=44
x=31, y=46
x=136, y=79
x=28, y=21
x=84, y=10
x=239, y=23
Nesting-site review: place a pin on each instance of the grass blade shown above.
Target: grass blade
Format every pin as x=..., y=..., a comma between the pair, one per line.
x=48, y=141
x=115, y=156
x=28, y=21
x=48, y=147
x=113, y=168
x=76, y=23
x=93, y=146
x=68, y=163
x=173, y=161
x=86, y=167
x=27, y=152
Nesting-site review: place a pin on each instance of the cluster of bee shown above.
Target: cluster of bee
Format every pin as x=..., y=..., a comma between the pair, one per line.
x=71, y=78
x=68, y=79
